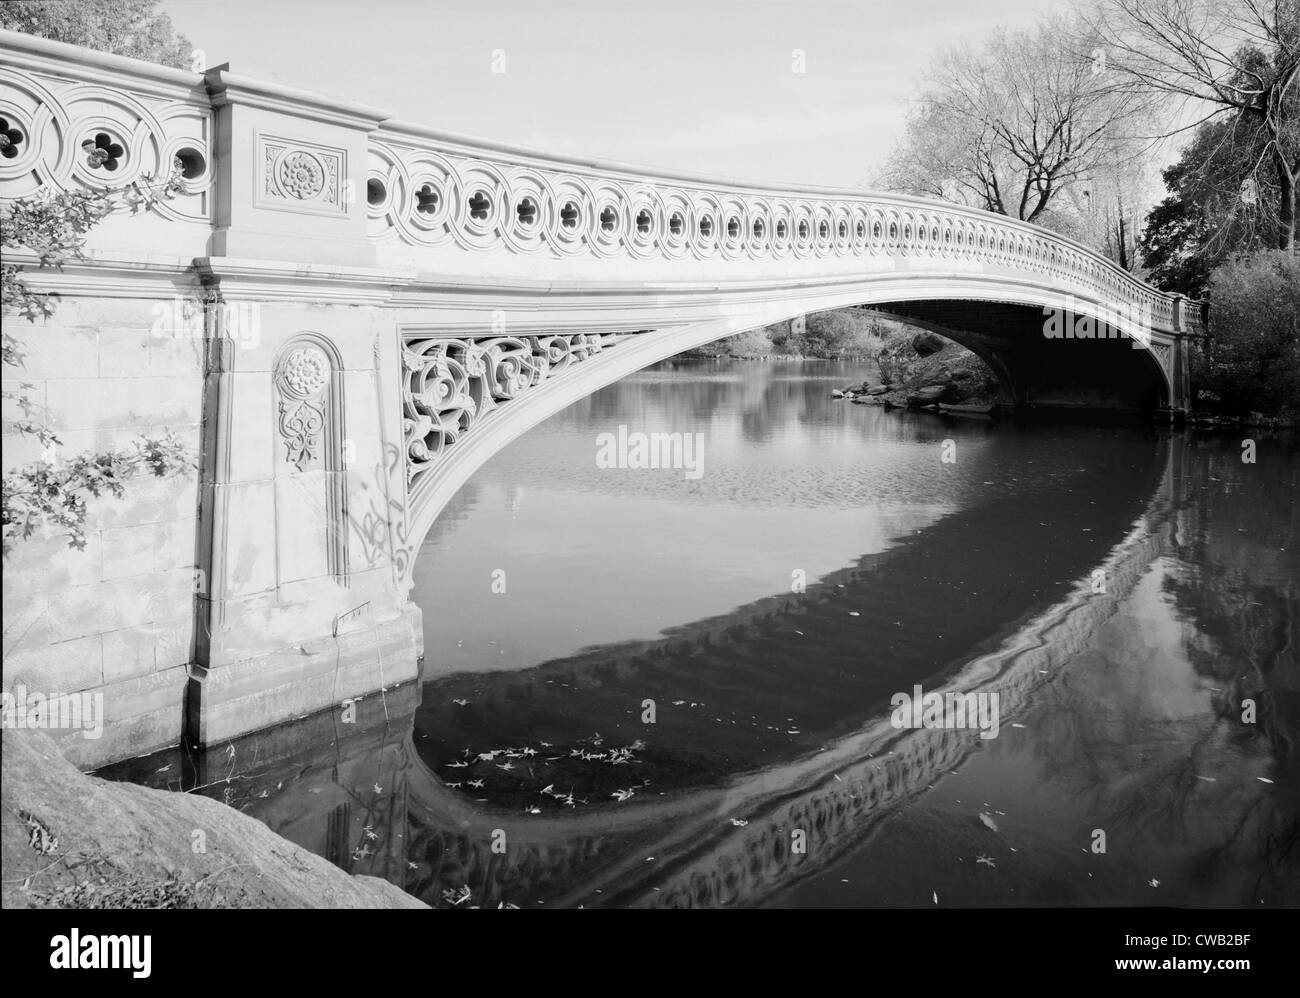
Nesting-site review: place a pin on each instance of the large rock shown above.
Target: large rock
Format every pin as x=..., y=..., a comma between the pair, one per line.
x=933, y=394
x=927, y=395
x=926, y=343
x=127, y=845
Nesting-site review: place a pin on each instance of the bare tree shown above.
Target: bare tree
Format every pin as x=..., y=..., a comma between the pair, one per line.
x=1104, y=209
x=1238, y=57
x=1010, y=125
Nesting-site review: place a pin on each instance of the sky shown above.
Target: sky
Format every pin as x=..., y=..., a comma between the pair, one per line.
x=701, y=86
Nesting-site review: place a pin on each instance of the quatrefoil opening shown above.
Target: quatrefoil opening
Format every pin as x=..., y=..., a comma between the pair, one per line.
x=479, y=206
x=427, y=200
x=102, y=152
x=10, y=139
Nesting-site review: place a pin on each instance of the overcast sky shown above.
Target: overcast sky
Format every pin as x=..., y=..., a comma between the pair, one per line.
x=698, y=85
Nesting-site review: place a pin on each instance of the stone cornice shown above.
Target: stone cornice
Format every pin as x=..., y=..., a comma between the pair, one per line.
x=276, y=279
x=225, y=87
x=109, y=275
x=535, y=303
x=31, y=54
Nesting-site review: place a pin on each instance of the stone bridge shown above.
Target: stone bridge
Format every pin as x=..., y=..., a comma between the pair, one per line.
x=345, y=315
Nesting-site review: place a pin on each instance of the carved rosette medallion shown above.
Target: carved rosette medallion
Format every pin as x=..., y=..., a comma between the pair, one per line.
x=303, y=381
x=301, y=175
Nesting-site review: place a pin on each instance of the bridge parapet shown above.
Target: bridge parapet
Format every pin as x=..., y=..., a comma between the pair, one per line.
x=82, y=120
x=430, y=191
x=278, y=173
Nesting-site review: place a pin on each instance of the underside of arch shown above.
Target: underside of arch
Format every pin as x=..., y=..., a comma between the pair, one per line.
x=984, y=347
x=1112, y=369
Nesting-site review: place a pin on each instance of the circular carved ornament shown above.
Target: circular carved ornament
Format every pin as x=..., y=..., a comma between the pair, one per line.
x=306, y=371
x=301, y=175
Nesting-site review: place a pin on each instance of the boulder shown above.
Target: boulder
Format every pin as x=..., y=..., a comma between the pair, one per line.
x=926, y=343
x=927, y=395
x=949, y=394
x=132, y=846
x=954, y=394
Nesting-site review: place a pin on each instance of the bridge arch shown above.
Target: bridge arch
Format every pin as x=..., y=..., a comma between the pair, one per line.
x=498, y=422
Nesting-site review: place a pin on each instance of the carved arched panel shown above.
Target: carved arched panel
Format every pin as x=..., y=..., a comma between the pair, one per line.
x=308, y=377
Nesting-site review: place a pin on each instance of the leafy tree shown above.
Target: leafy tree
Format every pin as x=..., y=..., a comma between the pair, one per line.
x=53, y=492
x=834, y=333
x=841, y=332
x=132, y=28
x=750, y=343
x=1205, y=219
x=1252, y=359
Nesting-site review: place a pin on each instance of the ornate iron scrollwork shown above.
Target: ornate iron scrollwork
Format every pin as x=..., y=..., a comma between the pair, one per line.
x=451, y=383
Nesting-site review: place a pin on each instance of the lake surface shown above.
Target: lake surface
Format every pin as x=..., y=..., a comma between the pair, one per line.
x=647, y=688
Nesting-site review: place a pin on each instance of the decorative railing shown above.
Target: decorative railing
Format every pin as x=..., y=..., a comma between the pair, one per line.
x=75, y=118
x=428, y=189
x=102, y=121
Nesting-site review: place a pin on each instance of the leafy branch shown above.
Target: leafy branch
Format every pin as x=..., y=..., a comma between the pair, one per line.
x=51, y=493
x=54, y=494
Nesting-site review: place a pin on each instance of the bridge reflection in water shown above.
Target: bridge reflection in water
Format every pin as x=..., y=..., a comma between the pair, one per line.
x=1156, y=755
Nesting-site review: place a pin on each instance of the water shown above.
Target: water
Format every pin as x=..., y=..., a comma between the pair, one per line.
x=1124, y=592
